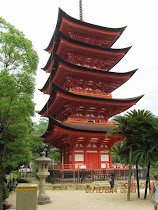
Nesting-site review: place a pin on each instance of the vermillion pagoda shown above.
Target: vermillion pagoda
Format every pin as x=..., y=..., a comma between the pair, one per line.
x=80, y=87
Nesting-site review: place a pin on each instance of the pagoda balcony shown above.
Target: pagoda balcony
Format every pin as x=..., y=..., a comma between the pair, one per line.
x=88, y=121
x=65, y=167
x=91, y=93
x=69, y=166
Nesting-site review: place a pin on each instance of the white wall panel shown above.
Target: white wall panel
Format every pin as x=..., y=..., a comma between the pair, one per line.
x=79, y=157
x=102, y=165
x=104, y=157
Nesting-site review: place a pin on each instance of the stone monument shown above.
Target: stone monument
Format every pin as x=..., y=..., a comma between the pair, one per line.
x=42, y=174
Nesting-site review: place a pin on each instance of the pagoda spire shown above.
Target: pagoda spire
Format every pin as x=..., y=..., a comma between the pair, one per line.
x=81, y=10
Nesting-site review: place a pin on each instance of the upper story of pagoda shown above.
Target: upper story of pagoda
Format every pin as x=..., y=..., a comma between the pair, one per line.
x=84, y=32
x=62, y=135
x=82, y=80
x=83, y=54
x=62, y=105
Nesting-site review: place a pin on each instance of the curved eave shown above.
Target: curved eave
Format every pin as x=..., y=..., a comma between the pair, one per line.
x=53, y=122
x=60, y=35
x=62, y=14
x=58, y=60
x=83, y=97
x=80, y=44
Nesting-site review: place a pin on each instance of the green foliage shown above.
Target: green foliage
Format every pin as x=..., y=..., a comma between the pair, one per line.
x=5, y=192
x=140, y=130
x=37, y=144
x=119, y=151
x=55, y=155
x=140, y=147
x=153, y=170
x=40, y=128
x=16, y=52
x=18, y=64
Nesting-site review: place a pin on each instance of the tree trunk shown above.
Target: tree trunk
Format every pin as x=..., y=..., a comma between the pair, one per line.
x=1, y=187
x=129, y=176
x=137, y=177
x=147, y=180
x=149, y=184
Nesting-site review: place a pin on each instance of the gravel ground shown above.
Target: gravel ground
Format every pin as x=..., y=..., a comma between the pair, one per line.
x=80, y=200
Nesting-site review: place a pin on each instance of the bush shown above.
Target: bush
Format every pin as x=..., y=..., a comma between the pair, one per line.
x=5, y=193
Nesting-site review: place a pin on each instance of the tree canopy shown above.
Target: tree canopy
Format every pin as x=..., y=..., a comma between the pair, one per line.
x=140, y=130
x=37, y=144
x=18, y=64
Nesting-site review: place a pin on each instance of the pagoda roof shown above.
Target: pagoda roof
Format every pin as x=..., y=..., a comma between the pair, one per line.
x=63, y=104
x=60, y=134
x=76, y=51
x=63, y=74
x=73, y=27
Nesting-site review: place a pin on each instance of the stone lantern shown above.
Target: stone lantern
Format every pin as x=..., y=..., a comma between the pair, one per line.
x=42, y=174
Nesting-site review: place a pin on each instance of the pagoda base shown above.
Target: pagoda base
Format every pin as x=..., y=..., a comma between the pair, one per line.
x=43, y=199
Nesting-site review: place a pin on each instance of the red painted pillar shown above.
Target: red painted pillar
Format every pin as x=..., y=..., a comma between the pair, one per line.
x=63, y=160
x=73, y=158
x=68, y=157
x=85, y=156
x=110, y=159
x=61, y=153
x=99, y=158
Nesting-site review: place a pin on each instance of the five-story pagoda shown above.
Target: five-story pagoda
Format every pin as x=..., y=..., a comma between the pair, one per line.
x=80, y=86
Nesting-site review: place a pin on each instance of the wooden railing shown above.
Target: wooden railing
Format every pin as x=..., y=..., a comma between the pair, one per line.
x=85, y=166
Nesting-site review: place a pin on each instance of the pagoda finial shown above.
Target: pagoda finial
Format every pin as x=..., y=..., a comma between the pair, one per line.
x=81, y=10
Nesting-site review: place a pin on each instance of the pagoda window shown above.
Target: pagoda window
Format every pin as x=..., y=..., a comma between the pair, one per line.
x=94, y=145
x=81, y=138
x=93, y=121
x=97, y=90
x=103, y=165
x=101, y=116
x=104, y=157
x=79, y=157
x=92, y=108
x=79, y=114
x=89, y=89
x=90, y=115
x=92, y=62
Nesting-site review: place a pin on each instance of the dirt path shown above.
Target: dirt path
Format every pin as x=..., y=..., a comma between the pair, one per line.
x=80, y=200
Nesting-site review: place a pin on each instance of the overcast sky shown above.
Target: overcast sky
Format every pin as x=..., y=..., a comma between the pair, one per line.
x=37, y=19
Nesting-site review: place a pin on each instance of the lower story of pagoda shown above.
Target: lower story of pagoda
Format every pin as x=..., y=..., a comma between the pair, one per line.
x=80, y=148
x=90, y=157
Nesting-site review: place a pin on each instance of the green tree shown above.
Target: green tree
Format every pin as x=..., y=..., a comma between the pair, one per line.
x=147, y=146
x=18, y=64
x=37, y=144
x=136, y=128
x=125, y=126
x=40, y=128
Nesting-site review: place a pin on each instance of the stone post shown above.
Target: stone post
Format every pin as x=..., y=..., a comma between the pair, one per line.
x=42, y=174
